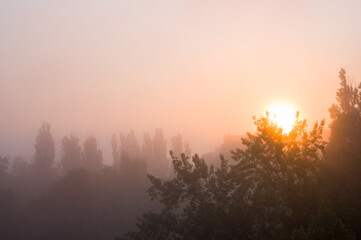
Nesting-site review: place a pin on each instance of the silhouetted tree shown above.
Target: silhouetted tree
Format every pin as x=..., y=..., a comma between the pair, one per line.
x=187, y=149
x=6, y=195
x=126, y=164
x=160, y=166
x=68, y=210
x=4, y=174
x=115, y=151
x=21, y=179
x=92, y=157
x=20, y=167
x=325, y=225
x=43, y=171
x=7, y=214
x=147, y=148
x=70, y=154
x=177, y=145
x=134, y=171
x=130, y=145
x=345, y=139
x=44, y=149
x=4, y=164
x=269, y=190
x=281, y=173
x=342, y=174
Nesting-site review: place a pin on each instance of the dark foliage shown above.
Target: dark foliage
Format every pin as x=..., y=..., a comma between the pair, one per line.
x=325, y=225
x=272, y=187
x=342, y=174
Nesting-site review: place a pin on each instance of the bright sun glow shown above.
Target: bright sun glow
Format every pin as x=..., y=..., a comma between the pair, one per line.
x=283, y=115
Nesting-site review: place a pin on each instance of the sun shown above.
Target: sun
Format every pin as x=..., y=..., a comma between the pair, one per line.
x=284, y=115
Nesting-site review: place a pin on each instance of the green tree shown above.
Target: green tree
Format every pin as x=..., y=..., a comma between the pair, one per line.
x=270, y=188
x=342, y=174
x=324, y=226
x=281, y=173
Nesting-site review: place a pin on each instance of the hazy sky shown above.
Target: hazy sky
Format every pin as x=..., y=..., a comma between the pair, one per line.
x=199, y=68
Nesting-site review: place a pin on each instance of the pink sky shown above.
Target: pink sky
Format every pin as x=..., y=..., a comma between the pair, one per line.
x=200, y=69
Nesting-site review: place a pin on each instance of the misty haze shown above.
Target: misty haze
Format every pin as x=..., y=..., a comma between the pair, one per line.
x=134, y=119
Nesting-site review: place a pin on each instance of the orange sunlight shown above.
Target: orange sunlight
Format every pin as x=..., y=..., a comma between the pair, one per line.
x=284, y=115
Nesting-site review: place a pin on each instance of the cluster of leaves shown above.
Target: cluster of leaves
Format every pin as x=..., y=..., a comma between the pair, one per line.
x=342, y=175
x=268, y=189
x=278, y=186
x=325, y=225
x=82, y=200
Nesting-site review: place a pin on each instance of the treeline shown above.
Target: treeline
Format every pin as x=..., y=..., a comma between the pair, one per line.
x=278, y=186
x=79, y=197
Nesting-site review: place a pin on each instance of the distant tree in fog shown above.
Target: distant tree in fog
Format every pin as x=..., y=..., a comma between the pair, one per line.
x=4, y=167
x=126, y=163
x=345, y=139
x=152, y=153
x=42, y=171
x=187, y=149
x=177, y=145
x=92, y=158
x=130, y=145
x=115, y=151
x=44, y=149
x=7, y=214
x=129, y=157
x=160, y=165
x=159, y=144
x=20, y=167
x=21, y=179
x=147, y=148
x=70, y=153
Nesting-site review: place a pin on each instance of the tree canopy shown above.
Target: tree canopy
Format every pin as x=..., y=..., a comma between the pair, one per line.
x=264, y=192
